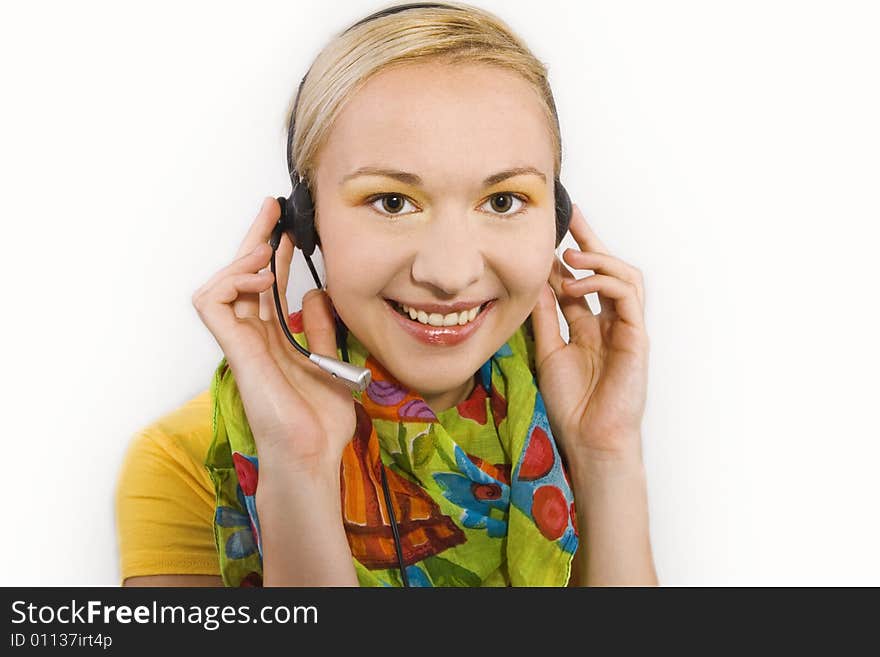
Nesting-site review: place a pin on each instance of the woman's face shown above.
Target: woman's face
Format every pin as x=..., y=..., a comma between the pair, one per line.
x=445, y=232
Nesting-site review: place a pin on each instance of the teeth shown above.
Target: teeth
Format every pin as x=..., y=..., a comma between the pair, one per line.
x=436, y=319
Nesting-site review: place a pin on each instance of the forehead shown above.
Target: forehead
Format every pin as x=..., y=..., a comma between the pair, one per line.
x=463, y=114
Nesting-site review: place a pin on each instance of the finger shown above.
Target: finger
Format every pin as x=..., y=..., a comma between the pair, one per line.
x=586, y=239
x=229, y=289
x=318, y=324
x=284, y=352
x=283, y=257
x=624, y=294
x=266, y=303
x=574, y=307
x=248, y=305
x=545, y=325
x=261, y=229
x=249, y=263
x=602, y=263
x=283, y=263
x=214, y=304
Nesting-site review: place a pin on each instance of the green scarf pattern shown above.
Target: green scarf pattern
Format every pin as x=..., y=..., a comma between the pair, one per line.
x=480, y=492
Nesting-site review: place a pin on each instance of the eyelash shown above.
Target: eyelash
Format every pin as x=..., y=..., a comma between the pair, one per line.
x=377, y=197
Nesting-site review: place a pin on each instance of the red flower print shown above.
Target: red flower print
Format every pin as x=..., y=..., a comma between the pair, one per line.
x=538, y=459
x=550, y=511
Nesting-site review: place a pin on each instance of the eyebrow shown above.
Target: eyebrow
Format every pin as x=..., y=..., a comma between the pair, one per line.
x=413, y=179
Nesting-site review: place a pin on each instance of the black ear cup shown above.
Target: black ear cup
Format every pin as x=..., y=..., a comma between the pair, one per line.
x=303, y=215
x=298, y=216
x=563, y=210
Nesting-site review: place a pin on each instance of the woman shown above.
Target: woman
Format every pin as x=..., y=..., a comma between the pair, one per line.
x=429, y=140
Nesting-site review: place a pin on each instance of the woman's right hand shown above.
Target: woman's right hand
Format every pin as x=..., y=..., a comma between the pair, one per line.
x=299, y=415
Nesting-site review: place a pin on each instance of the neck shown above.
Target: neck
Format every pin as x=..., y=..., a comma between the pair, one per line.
x=437, y=402
x=446, y=400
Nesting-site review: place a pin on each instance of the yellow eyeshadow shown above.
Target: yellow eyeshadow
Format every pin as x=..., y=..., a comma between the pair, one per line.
x=531, y=188
x=354, y=191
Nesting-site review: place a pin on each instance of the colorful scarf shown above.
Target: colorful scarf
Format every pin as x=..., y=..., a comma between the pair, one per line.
x=480, y=493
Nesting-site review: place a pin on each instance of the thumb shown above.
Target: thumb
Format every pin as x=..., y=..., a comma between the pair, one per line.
x=318, y=323
x=545, y=325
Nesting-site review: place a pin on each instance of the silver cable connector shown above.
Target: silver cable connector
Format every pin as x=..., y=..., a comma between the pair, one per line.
x=356, y=378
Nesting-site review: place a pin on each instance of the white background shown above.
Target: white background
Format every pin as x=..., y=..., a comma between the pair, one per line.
x=728, y=149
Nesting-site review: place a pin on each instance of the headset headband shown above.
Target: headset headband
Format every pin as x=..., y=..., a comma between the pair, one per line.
x=379, y=14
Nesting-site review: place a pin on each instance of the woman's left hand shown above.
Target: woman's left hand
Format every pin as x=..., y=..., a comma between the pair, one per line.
x=594, y=386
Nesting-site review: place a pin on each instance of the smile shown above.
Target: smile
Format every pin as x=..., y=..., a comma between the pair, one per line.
x=436, y=319
x=437, y=329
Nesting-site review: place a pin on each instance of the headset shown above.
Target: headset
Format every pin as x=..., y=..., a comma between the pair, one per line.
x=298, y=221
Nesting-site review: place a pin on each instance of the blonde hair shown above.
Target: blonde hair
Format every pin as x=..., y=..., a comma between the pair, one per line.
x=453, y=33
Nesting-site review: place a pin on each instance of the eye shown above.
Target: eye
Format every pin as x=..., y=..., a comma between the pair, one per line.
x=391, y=204
x=501, y=204
x=503, y=201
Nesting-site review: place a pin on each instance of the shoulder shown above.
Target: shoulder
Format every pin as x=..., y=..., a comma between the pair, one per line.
x=182, y=434
x=187, y=425
x=164, y=496
x=168, y=455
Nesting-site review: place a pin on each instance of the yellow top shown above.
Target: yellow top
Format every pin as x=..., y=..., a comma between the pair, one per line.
x=165, y=498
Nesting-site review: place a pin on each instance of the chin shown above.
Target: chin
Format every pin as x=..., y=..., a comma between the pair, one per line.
x=431, y=380
x=429, y=369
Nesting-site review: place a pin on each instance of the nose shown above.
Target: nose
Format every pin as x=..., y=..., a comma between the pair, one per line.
x=449, y=256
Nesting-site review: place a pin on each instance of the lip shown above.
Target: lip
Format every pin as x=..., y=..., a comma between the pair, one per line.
x=446, y=336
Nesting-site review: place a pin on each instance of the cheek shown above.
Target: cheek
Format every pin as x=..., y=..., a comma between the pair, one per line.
x=354, y=269
x=359, y=260
x=524, y=271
